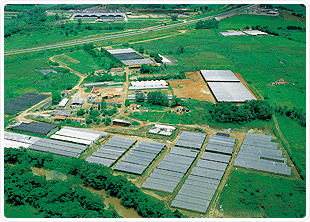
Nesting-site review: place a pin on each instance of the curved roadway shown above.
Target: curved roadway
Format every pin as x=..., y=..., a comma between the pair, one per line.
x=76, y=42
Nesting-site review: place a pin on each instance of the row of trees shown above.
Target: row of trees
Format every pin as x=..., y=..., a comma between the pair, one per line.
x=207, y=24
x=231, y=113
x=293, y=113
x=52, y=197
x=96, y=176
x=149, y=69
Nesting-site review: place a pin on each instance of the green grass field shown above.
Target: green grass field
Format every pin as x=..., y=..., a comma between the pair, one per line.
x=80, y=61
x=256, y=58
x=252, y=193
x=296, y=137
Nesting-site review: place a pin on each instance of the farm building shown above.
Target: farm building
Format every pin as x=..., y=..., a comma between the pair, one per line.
x=219, y=76
x=91, y=97
x=235, y=33
x=121, y=122
x=40, y=129
x=63, y=103
x=101, y=84
x=280, y=81
x=255, y=32
x=162, y=130
x=60, y=118
x=16, y=140
x=129, y=57
x=153, y=84
x=230, y=92
x=58, y=147
x=61, y=112
x=134, y=106
x=111, y=15
x=77, y=103
x=65, y=93
x=164, y=59
x=77, y=119
x=225, y=86
x=81, y=136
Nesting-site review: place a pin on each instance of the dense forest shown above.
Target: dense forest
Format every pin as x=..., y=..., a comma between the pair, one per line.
x=94, y=175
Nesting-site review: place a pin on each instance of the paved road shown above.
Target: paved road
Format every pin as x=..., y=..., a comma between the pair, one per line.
x=132, y=33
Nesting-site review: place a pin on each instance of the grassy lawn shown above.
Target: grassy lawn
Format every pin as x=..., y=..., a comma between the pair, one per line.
x=256, y=194
x=79, y=61
x=296, y=137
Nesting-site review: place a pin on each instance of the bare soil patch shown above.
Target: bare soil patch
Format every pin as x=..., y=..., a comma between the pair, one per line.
x=195, y=87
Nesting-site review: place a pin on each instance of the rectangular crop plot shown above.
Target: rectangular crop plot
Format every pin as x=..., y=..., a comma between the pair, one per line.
x=159, y=187
x=258, y=137
x=260, y=151
x=173, y=166
x=203, y=179
x=198, y=189
x=230, y=91
x=219, y=149
x=178, y=159
x=263, y=166
x=211, y=165
x=161, y=181
x=193, y=200
x=184, y=152
x=200, y=184
x=23, y=102
x=128, y=56
x=219, y=76
x=203, y=172
x=164, y=177
x=103, y=161
x=195, y=194
x=216, y=157
x=189, y=206
x=191, y=139
x=130, y=167
x=263, y=144
x=168, y=172
x=143, y=154
x=54, y=151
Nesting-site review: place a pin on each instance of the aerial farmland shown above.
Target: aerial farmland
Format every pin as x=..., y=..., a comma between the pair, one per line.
x=154, y=111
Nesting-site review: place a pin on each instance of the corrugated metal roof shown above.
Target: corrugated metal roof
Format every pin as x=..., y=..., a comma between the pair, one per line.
x=230, y=91
x=219, y=76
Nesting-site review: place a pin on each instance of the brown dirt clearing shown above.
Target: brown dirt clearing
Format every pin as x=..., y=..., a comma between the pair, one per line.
x=195, y=87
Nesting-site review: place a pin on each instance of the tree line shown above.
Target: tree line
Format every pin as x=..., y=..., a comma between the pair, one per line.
x=54, y=198
x=207, y=24
x=226, y=112
x=96, y=176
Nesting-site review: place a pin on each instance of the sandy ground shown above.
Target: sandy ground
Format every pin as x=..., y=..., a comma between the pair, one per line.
x=195, y=87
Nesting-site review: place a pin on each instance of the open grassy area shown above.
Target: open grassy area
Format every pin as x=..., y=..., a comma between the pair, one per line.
x=256, y=194
x=256, y=58
x=21, y=76
x=295, y=135
x=79, y=61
